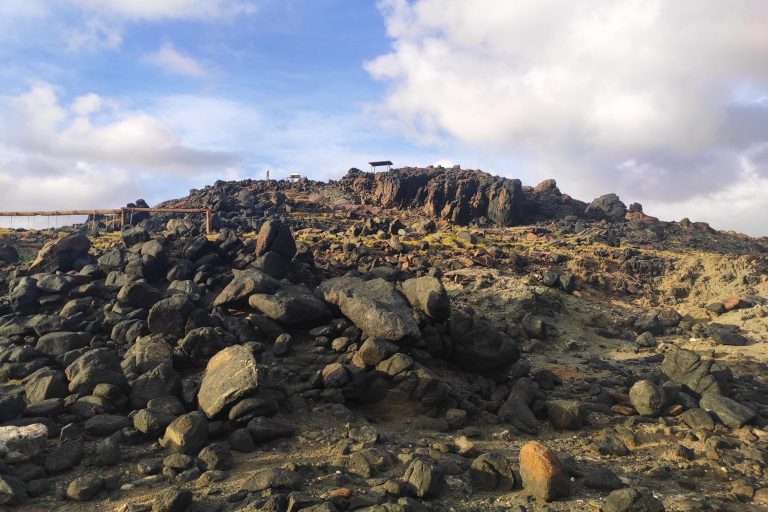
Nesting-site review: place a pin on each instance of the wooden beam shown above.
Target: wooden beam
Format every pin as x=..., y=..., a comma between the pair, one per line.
x=124, y=214
x=53, y=213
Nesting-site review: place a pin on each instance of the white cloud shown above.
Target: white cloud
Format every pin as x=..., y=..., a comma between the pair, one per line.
x=167, y=9
x=633, y=96
x=93, y=35
x=90, y=152
x=171, y=60
x=81, y=187
x=38, y=124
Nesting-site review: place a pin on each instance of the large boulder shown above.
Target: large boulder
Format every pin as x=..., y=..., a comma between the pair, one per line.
x=291, y=305
x=61, y=254
x=244, y=284
x=169, y=316
x=276, y=237
x=57, y=343
x=231, y=375
x=693, y=372
x=428, y=295
x=647, y=398
x=424, y=478
x=8, y=254
x=98, y=366
x=608, y=207
x=730, y=412
x=275, y=248
x=542, y=472
x=478, y=346
x=186, y=434
x=726, y=334
x=632, y=500
x=138, y=295
x=492, y=471
x=374, y=306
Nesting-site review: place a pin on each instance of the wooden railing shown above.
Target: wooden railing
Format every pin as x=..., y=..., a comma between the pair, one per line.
x=124, y=213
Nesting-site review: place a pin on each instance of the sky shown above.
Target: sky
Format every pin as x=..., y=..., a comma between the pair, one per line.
x=103, y=102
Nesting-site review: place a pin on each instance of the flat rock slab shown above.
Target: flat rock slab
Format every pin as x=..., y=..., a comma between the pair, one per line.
x=292, y=305
x=730, y=412
x=244, y=284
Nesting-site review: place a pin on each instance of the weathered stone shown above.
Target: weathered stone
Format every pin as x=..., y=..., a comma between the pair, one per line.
x=169, y=316
x=698, y=419
x=263, y=430
x=216, y=456
x=687, y=368
x=138, y=295
x=57, y=343
x=565, y=414
x=374, y=306
x=632, y=500
x=602, y=479
x=647, y=398
x=492, y=471
x=61, y=254
x=231, y=374
x=607, y=207
x=244, y=284
x=730, y=412
x=542, y=472
x=478, y=346
x=424, y=478
x=97, y=366
x=276, y=237
x=28, y=440
x=84, y=488
x=172, y=500
x=517, y=413
x=726, y=334
x=272, y=478
x=186, y=434
x=292, y=305
x=63, y=457
x=428, y=295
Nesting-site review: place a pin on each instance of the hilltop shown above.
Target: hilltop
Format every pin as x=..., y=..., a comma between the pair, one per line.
x=418, y=339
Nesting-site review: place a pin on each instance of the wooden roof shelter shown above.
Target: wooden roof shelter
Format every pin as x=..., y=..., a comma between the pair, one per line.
x=382, y=163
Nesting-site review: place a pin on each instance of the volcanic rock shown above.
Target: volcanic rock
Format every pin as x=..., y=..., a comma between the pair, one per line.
x=231, y=374
x=61, y=254
x=374, y=306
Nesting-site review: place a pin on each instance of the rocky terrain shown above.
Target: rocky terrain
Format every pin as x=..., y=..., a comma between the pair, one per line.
x=415, y=340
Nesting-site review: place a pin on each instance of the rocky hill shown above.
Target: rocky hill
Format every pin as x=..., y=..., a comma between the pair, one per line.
x=421, y=339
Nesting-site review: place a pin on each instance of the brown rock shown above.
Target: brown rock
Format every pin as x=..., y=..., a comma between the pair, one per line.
x=732, y=303
x=542, y=473
x=623, y=410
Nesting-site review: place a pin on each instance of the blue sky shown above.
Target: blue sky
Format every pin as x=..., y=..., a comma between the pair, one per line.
x=106, y=101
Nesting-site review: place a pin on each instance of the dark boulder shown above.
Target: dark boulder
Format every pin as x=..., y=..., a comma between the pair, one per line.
x=61, y=254
x=374, y=306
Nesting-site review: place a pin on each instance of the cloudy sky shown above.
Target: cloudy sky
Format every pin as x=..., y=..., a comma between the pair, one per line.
x=663, y=102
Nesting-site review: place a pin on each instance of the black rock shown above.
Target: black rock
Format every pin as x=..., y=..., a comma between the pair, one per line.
x=216, y=456
x=64, y=457
x=85, y=487
x=632, y=500
x=492, y=471
x=602, y=479
x=172, y=500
